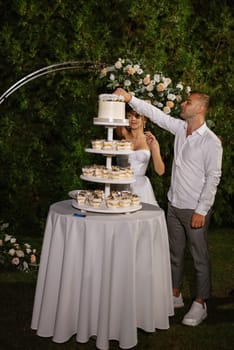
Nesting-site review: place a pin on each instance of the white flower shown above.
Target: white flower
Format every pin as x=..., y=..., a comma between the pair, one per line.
x=179, y=86
x=7, y=238
x=127, y=82
x=167, y=110
x=166, y=81
x=157, y=78
x=27, y=245
x=159, y=105
x=118, y=64
x=11, y=252
x=188, y=89
x=25, y=266
x=28, y=250
x=171, y=97
x=150, y=87
x=19, y=253
x=13, y=240
x=179, y=98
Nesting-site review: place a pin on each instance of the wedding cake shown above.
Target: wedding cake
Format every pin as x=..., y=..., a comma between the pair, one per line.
x=111, y=108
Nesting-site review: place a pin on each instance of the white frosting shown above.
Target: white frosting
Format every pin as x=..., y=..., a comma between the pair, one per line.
x=111, y=107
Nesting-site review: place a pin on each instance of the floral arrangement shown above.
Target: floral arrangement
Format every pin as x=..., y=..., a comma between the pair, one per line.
x=16, y=256
x=153, y=87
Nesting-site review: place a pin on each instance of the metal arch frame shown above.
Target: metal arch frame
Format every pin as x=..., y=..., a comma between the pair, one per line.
x=46, y=70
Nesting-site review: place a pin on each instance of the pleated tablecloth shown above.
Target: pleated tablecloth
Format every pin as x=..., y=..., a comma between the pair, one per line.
x=103, y=275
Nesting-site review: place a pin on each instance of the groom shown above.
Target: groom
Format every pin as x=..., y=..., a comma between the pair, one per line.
x=196, y=173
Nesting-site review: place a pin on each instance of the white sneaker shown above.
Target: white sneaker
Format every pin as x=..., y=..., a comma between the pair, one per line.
x=178, y=301
x=196, y=314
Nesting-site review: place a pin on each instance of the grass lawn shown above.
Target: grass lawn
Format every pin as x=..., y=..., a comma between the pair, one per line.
x=216, y=332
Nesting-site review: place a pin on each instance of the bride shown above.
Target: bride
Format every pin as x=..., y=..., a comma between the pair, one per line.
x=145, y=145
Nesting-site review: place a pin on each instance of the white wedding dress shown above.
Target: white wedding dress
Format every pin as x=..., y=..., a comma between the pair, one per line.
x=138, y=160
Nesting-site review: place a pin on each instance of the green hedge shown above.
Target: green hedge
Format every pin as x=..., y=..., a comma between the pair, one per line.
x=46, y=124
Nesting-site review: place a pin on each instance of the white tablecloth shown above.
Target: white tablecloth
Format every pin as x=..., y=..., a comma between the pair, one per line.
x=103, y=275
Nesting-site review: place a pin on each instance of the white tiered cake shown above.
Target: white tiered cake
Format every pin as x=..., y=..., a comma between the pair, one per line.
x=111, y=109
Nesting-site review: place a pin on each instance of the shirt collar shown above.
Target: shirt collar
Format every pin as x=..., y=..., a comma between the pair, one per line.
x=200, y=130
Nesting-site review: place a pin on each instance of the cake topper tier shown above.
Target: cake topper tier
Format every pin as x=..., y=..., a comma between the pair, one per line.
x=111, y=110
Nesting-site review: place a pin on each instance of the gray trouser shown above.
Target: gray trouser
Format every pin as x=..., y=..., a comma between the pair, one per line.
x=181, y=233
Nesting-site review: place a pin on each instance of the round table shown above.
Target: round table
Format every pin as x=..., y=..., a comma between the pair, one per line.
x=103, y=275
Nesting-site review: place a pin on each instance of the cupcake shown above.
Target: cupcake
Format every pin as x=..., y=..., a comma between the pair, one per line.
x=106, y=173
x=95, y=200
x=112, y=202
x=109, y=145
x=98, y=194
x=115, y=174
x=135, y=199
x=81, y=197
x=125, y=202
x=97, y=144
x=124, y=145
x=88, y=171
x=129, y=172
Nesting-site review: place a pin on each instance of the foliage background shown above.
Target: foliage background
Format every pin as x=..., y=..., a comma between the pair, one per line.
x=47, y=123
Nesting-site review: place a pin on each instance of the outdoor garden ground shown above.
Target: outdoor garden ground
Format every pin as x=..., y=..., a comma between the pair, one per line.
x=216, y=332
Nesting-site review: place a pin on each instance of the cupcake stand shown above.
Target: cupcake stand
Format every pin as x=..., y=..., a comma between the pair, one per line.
x=109, y=154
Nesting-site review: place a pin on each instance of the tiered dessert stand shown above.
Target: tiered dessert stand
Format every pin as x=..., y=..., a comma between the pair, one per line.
x=109, y=154
x=110, y=125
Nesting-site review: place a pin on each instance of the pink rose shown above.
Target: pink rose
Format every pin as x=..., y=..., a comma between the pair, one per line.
x=33, y=259
x=160, y=87
x=146, y=79
x=15, y=261
x=170, y=104
x=131, y=71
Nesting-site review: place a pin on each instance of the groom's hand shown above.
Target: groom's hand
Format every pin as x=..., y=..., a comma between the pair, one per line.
x=121, y=92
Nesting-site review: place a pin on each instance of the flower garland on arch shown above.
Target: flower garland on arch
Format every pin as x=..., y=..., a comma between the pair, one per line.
x=154, y=87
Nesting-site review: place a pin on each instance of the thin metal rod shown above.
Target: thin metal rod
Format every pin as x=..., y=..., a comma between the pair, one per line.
x=46, y=70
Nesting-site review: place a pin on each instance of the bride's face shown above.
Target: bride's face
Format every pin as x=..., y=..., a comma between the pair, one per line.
x=136, y=121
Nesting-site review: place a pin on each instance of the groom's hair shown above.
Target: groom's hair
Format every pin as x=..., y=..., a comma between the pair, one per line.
x=204, y=98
